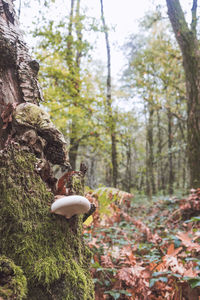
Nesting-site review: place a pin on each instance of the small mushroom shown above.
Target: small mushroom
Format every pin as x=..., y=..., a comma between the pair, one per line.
x=69, y=206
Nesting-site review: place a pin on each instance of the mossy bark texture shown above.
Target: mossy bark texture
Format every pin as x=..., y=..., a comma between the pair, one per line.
x=45, y=252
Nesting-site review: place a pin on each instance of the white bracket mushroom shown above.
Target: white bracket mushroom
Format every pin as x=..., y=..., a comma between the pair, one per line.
x=69, y=206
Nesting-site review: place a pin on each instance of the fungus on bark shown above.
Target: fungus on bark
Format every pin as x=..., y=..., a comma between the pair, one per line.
x=69, y=206
x=68, y=186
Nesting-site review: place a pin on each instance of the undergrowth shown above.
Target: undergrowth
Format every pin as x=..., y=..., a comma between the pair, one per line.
x=145, y=250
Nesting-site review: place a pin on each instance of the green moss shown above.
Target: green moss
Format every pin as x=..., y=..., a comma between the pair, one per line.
x=32, y=115
x=77, y=184
x=47, y=247
x=13, y=284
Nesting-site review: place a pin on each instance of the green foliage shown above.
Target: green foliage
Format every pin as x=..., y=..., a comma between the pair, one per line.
x=155, y=68
x=107, y=195
x=194, y=282
x=116, y=294
x=74, y=86
x=194, y=219
x=68, y=85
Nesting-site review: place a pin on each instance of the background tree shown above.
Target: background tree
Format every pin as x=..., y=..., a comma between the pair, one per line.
x=109, y=110
x=186, y=37
x=66, y=85
x=154, y=82
x=160, y=85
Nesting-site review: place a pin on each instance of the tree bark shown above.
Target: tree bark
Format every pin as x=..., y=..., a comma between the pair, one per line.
x=42, y=255
x=189, y=45
x=18, y=72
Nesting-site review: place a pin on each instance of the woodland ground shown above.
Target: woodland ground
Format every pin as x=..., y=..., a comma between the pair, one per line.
x=145, y=249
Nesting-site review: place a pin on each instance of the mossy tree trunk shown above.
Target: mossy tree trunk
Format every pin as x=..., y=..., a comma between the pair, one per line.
x=42, y=255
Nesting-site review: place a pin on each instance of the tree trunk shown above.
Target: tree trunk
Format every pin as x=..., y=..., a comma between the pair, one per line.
x=18, y=72
x=170, y=155
x=111, y=119
x=150, y=152
x=177, y=174
x=184, y=173
x=73, y=60
x=128, y=176
x=91, y=178
x=161, y=179
x=108, y=175
x=53, y=259
x=148, y=185
x=184, y=162
x=114, y=159
x=189, y=45
x=73, y=151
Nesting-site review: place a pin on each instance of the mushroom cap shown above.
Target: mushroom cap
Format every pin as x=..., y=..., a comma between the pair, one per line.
x=69, y=206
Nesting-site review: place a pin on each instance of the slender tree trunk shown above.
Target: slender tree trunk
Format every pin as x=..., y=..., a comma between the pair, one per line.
x=78, y=27
x=159, y=153
x=91, y=180
x=108, y=175
x=177, y=173
x=184, y=172
x=148, y=185
x=170, y=155
x=69, y=56
x=141, y=182
x=114, y=159
x=73, y=62
x=111, y=119
x=150, y=160
x=161, y=179
x=44, y=253
x=189, y=45
x=73, y=152
x=128, y=173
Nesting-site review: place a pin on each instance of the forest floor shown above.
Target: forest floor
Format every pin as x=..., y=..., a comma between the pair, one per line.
x=144, y=249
